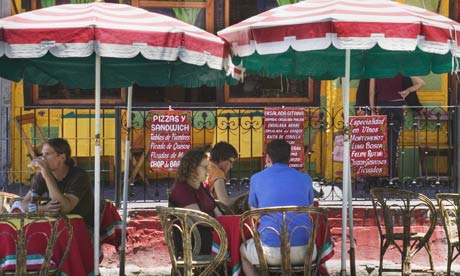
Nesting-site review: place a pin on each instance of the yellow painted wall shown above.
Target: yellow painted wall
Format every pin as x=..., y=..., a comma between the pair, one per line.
x=80, y=132
x=251, y=129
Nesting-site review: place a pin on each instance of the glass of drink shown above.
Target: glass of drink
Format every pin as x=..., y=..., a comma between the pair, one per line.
x=33, y=166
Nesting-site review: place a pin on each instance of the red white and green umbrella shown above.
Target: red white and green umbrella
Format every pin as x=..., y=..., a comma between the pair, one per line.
x=58, y=44
x=103, y=45
x=327, y=39
x=310, y=38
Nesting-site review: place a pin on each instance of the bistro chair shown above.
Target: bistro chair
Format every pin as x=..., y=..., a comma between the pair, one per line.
x=449, y=208
x=33, y=235
x=224, y=209
x=22, y=123
x=196, y=236
x=241, y=204
x=392, y=205
x=190, y=261
x=6, y=200
x=281, y=218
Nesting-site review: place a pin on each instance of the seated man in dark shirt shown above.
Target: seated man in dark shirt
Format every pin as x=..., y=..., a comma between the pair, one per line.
x=67, y=186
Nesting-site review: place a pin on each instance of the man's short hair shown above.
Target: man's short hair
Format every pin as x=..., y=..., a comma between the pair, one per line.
x=223, y=151
x=279, y=151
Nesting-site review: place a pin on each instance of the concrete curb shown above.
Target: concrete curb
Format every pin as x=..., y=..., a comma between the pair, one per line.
x=371, y=268
x=133, y=270
x=363, y=268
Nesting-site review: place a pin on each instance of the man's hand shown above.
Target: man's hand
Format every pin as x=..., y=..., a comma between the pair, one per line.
x=53, y=207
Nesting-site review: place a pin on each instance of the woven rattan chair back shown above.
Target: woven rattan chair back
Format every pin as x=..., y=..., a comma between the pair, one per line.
x=282, y=218
x=408, y=209
x=186, y=222
x=5, y=200
x=449, y=209
x=60, y=229
x=196, y=236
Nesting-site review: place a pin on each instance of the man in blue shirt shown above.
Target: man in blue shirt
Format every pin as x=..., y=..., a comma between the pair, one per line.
x=278, y=185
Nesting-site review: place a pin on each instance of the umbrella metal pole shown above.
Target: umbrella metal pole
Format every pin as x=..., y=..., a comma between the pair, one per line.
x=125, y=182
x=346, y=160
x=97, y=164
x=352, y=235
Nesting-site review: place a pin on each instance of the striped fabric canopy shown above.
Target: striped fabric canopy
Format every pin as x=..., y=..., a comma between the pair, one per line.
x=113, y=31
x=325, y=27
x=353, y=39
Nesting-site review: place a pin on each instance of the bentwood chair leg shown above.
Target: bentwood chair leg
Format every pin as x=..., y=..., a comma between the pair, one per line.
x=407, y=267
x=383, y=248
x=430, y=258
x=406, y=261
x=449, y=259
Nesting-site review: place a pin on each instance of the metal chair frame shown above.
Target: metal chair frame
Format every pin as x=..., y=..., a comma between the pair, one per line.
x=241, y=204
x=389, y=203
x=224, y=209
x=449, y=209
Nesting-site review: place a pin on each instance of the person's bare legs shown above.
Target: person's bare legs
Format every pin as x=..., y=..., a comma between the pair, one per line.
x=246, y=265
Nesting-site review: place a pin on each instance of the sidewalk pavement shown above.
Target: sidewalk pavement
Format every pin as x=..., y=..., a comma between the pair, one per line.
x=363, y=268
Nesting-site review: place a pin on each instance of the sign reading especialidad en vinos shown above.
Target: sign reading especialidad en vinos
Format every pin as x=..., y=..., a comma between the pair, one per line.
x=170, y=138
x=368, y=147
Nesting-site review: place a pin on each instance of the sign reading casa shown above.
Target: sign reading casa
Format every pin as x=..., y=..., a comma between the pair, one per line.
x=170, y=138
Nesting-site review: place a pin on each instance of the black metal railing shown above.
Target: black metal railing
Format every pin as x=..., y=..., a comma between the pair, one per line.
x=424, y=156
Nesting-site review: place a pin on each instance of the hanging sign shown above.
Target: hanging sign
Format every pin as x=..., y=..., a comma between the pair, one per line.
x=287, y=124
x=368, y=147
x=170, y=138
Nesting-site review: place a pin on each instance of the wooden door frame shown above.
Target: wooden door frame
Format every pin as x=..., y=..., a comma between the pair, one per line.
x=207, y=5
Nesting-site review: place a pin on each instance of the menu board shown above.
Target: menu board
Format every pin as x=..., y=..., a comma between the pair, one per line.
x=170, y=138
x=368, y=147
x=287, y=124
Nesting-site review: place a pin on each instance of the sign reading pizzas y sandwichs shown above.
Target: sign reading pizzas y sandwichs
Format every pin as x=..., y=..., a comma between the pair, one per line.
x=368, y=147
x=170, y=138
x=287, y=124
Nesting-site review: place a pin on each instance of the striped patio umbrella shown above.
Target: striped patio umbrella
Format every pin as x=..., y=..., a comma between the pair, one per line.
x=59, y=44
x=103, y=45
x=353, y=39
x=310, y=38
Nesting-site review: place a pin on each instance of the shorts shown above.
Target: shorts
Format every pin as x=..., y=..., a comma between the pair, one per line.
x=273, y=254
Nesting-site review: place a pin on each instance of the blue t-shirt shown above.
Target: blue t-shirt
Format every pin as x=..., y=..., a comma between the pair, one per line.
x=280, y=185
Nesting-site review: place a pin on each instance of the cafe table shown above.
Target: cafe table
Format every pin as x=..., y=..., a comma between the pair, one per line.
x=111, y=224
x=79, y=261
x=231, y=225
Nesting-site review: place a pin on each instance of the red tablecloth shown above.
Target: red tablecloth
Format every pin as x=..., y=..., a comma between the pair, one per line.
x=79, y=262
x=110, y=229
x=231, y=226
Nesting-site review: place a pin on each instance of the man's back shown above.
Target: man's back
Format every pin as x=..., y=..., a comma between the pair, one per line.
x=280, y=185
